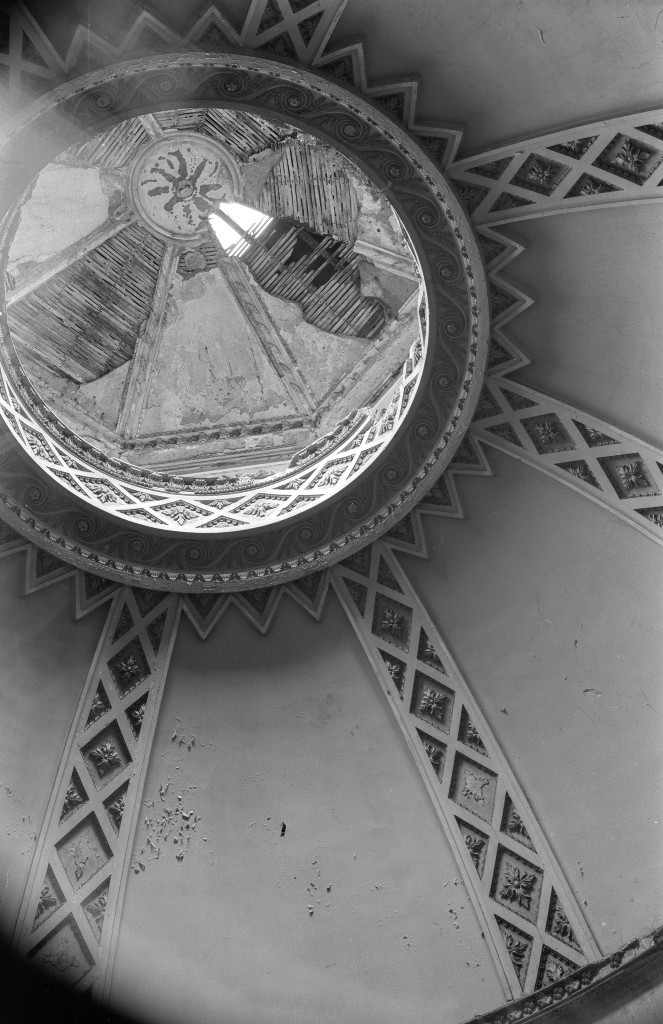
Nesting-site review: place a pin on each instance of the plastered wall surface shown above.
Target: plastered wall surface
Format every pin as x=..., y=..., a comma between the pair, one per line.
x=509, y=70
x=593, y=333
x=504, y=69
x=46, y=656
x=356, y=912
x=552, y=609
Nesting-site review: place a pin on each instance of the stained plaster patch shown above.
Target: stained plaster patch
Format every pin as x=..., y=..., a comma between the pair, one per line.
x=66, y=204
x=211, y=368
x=377, y=222
x=102, y=397
x=345, y=368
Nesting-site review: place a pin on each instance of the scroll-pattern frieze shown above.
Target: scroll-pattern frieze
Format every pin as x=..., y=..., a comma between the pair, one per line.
x=594, y=165
x=532, y=921
x=71, y=905
x=287, y=29
x=611, y=467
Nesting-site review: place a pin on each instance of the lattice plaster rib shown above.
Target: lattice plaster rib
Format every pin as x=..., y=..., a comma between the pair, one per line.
x=70, y=911
x=614, y=469
x=516, y=885
x=593, y=165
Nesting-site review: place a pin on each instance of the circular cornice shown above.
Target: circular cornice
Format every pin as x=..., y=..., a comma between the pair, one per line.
x=433, y=415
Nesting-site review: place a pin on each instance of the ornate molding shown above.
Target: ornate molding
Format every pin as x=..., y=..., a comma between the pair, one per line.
x=576, y=992
x=69, y=915
x=205, y=611
x=532, y=922
x=302, y=33
x=614, y=469
x=436, y=412
x=584, y=167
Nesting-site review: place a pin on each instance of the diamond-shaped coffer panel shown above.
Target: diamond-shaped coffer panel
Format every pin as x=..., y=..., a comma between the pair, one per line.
x=64, y=953
x=83, y=851
x=517, y=884
x=106, y=755
x=392, y=621
x=473, y=786
x=129, y=667
x=432, y=701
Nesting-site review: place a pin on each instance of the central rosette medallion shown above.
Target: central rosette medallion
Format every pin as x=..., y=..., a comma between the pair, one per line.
x=178, y=180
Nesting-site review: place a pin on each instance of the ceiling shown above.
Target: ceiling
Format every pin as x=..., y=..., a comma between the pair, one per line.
x=546, y=595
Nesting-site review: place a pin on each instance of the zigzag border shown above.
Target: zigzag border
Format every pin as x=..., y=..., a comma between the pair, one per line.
x=42, y=570
x=213, y=30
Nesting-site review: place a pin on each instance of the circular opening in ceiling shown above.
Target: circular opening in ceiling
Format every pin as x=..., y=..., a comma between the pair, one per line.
x=251, y=523
x=211, y=302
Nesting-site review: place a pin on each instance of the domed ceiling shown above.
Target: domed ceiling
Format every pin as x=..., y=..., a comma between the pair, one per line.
x=257, y=324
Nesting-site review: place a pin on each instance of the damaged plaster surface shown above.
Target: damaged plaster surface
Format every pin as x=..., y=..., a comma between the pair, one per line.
x=337, y=366
x=169, y=823
x=65, y=205
x=211, y=368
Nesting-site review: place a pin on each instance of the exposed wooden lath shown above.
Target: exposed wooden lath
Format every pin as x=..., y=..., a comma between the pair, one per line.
x=84, y=322
x=112, y=148
x=244, y=134
x=188, y=119
x=311, y=185
x=318, y=272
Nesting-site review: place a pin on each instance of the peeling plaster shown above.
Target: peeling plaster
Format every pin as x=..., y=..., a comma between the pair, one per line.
x=169, y=823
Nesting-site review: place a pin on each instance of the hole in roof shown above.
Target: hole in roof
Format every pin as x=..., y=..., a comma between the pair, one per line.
x=236, y=225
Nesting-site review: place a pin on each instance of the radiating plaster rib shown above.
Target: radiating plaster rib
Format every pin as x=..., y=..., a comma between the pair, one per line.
x=69, y=916
x=532, y=922
x=599, y=460
x=581, y=168
x=395, y=262
x=260, y=324
x=147, y=349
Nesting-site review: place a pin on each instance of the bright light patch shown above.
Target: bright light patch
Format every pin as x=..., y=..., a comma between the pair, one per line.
x=251, y=221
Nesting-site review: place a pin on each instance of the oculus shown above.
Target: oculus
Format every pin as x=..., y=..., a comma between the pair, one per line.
x=282, y=400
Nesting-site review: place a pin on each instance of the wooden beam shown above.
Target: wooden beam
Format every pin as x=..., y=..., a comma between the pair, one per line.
x=66, y=258
x=145, y=353
x=395, y=262
x=151, y=125
x=240, y=280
